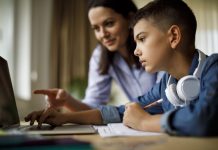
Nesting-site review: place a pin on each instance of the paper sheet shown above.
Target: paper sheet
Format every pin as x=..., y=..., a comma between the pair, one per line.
x=118, y=129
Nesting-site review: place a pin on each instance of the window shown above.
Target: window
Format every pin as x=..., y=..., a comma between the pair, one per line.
x=7, y=33
x=15, y=43
x=24, y=43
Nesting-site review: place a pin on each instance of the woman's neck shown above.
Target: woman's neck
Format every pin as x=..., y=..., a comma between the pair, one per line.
x=125, y=54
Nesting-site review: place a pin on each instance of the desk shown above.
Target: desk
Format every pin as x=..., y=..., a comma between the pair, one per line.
x=163, y=142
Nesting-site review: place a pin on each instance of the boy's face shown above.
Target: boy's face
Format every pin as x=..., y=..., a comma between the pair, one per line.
x=152, y=46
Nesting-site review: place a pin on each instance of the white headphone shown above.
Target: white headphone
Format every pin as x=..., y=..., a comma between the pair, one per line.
x=187, y=88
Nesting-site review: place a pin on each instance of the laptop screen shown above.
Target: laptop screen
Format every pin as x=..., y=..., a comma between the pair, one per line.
x=8, y=109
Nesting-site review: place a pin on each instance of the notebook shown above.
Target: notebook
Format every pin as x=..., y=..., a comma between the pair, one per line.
x=119, y=129
x=9, y=118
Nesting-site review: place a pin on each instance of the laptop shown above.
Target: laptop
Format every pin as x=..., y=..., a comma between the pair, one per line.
x=9, y=118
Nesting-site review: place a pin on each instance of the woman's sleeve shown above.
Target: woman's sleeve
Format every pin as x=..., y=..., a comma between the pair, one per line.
x=99, y=86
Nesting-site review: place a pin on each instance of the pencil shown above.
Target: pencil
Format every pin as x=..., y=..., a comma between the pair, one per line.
x=153, y=104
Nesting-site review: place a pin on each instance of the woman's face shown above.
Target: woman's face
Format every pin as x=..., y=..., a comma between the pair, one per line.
x=110, y=28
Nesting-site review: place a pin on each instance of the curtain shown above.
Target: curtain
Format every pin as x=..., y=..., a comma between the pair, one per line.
x=72, y=42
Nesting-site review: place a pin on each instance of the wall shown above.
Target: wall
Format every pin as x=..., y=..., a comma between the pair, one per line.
x=206, y=13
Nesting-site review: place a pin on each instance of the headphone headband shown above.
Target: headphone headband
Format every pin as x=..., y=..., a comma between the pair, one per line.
x=188, y=87
x=198, y=70
x=201, y=59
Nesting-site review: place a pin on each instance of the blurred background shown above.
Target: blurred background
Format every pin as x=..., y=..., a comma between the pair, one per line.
x=48, y=43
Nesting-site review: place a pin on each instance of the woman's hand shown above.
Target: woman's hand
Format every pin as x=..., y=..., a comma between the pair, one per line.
x=53, y=117
x=56, y=97
x=50, y=116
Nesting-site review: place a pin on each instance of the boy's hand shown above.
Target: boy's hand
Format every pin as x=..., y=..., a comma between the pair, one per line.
x=134, y=116
x=50, y=116
x=56, y=97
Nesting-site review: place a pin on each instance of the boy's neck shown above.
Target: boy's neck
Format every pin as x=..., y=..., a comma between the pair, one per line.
x=182, y=61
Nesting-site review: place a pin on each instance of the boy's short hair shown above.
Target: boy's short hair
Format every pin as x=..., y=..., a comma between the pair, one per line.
x=165, y=13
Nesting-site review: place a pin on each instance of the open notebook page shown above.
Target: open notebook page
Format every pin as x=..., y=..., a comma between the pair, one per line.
x=118, y=129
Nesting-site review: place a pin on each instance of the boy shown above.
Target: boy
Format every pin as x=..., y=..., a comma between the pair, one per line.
x=165, y=35
x=164, y=31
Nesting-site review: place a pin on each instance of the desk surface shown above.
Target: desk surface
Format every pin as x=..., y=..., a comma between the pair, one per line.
x=163, y=142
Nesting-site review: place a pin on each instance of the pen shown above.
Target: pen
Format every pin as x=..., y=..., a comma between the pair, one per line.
x=153, y=104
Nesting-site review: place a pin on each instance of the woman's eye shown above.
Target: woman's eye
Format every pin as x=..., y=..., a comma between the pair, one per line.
x=96, y=29
x=109, y=23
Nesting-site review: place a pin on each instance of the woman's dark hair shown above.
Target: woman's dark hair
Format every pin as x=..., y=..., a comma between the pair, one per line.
x=123, y=7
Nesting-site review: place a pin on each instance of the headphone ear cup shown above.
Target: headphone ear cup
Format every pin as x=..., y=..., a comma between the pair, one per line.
x=188, y=88
x=172, y=96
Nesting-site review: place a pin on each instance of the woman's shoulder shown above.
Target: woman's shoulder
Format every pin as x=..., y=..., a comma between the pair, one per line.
x=97, y=51
x=96, y=54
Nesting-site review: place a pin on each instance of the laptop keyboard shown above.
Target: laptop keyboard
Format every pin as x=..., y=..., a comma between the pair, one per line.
x=35, y=128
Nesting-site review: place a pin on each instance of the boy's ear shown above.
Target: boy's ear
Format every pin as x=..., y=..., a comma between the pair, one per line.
x=174, y=36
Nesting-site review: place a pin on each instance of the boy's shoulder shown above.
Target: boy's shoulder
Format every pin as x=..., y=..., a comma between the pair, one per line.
x=213, y=56
x=210, y=62
x=211, y=59
x=2, y=60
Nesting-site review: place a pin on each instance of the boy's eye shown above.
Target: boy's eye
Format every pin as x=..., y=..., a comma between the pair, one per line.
x=141, y=39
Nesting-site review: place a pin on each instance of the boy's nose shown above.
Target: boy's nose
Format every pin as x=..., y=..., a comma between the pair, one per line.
x=137, y=52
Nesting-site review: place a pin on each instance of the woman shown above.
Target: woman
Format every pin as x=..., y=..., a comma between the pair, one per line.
x=113, y=59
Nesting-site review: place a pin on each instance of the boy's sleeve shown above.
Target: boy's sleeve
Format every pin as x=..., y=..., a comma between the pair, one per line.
x=112, y=114
x=153, y=95
x=160, y=75
x=200, y=117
